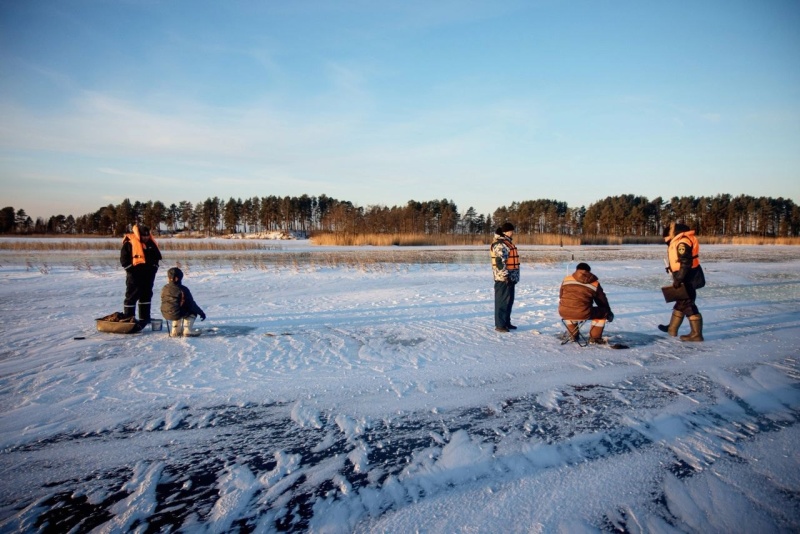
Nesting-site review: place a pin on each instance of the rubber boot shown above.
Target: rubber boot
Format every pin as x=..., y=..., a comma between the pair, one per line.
x=674, y=323
x=596, y=335
x=696, y=322
x=129, y=310
x=188, y=323
x=144, y=313
x=176, y=329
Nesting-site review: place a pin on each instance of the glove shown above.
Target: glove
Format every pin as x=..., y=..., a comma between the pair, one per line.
x=610, y=316
x=202, y=316
x=676, y=284
x=667, y=270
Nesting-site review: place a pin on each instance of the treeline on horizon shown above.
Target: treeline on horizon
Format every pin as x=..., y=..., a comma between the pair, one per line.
x=625, y=215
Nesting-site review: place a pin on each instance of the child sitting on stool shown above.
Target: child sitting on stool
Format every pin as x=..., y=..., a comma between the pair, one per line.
x=178, y=306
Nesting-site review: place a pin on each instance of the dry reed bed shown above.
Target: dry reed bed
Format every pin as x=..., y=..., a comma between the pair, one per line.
x=436, y=240
x=78, y=243
x=383, y=240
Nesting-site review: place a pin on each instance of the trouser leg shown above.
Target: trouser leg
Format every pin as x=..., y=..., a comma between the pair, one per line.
x=144, y=312
x=146, y=280
x=596, y=332
x=502, y=299
x=512, y=290
x=131, y=295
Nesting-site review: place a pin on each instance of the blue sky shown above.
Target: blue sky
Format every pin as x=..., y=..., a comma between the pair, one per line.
x=483, y=103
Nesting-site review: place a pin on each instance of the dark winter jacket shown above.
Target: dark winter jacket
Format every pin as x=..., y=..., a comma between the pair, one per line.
x=177, y=302
x=579, y=291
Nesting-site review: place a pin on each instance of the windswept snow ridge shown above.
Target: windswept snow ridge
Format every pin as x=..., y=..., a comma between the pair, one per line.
x=340, y=399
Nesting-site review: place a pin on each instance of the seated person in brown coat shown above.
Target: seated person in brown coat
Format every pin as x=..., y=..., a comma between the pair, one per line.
x=582, y=298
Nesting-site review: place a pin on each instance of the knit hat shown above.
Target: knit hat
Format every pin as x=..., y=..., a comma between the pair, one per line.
x=507, y=227
x=173, y=273
x=583, y=267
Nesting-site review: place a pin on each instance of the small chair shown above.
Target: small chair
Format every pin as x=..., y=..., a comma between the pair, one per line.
x=578, y=337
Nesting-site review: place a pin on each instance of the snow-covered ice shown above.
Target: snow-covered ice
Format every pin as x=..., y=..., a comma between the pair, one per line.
x=373, y=395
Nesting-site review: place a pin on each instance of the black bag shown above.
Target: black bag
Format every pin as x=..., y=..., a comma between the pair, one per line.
x=699, y=279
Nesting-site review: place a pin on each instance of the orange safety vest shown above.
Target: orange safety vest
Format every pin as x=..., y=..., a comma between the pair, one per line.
x=137, y=249
x=512, y=263
x=686, y=239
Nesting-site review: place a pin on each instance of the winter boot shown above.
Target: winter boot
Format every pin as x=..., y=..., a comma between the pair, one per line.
x=674, y=323
x=188, y=323
x=696, y=322
x=129, y=310
x=144, y=313
x=596, y=335
x=176, y=329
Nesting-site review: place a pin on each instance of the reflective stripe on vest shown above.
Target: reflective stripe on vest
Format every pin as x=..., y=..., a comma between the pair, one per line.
x=570, y=281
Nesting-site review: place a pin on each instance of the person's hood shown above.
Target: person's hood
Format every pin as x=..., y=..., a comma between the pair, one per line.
x=584, y=277
x=673, y=230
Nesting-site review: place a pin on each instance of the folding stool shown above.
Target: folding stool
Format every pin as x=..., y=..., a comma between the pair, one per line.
x=579, y=337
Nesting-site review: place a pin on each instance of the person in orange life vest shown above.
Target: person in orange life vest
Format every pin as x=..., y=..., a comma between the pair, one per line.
x=139, y=257
x=684, y=264
x=505, y=267
x=579, y=293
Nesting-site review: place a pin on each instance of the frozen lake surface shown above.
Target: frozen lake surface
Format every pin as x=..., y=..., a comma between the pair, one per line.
x=365, y=390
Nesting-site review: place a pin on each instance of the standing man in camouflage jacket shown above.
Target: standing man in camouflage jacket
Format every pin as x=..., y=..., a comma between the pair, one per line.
x=505, y=266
